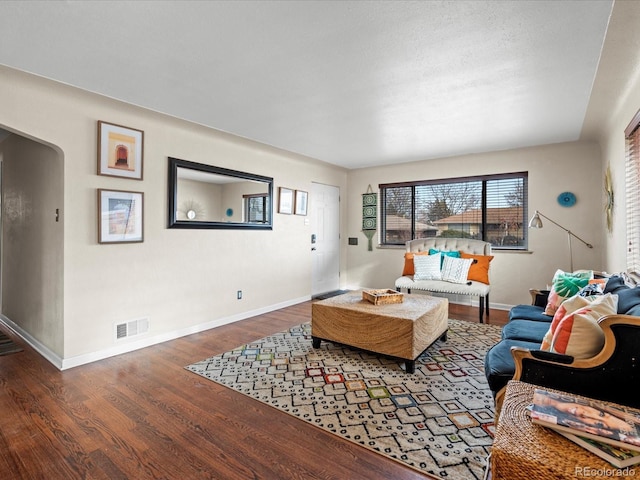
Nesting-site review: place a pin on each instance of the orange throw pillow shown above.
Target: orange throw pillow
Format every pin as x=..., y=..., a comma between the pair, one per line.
x=479, y=270
x=408, y=269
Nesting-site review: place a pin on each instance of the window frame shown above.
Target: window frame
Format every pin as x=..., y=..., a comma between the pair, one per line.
x=632, y=194
x=524, y=175
x=264, y=199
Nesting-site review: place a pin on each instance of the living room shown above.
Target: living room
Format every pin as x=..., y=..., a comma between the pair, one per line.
x=80, y=280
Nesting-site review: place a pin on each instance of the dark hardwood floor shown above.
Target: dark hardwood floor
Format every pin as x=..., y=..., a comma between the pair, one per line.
x=141, y=415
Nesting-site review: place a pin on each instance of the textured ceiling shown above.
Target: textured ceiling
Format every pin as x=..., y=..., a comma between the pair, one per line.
x=354, y=83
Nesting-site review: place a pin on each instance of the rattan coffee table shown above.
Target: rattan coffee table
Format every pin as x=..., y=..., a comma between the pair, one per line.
x=524, y=450
x=403, y=330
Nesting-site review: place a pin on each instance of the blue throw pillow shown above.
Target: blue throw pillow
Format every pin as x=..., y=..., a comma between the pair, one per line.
x=448, y=253
x=614, y=284
x=628, y=299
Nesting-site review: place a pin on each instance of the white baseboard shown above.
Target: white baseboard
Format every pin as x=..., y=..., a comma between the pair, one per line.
x=66, y=363
x=33, y=342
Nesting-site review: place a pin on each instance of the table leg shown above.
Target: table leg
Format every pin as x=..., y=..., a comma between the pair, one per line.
x=315, y=341
x=410, y=366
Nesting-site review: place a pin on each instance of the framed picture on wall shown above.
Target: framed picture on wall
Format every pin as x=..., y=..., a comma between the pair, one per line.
x=120, y=216
x=120, y=151
x=301, y=202
x=285, y=200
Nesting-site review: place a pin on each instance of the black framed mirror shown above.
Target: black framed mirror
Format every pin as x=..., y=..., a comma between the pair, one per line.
x=204, y=196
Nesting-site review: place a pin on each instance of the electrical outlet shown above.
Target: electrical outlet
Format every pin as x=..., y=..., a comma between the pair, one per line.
x=239, y=294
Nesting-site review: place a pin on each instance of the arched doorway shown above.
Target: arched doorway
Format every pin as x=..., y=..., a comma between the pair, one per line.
x=32, y=239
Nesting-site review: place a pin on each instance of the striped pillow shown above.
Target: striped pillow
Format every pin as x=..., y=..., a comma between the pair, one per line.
x=575, y=330
x=456, y=270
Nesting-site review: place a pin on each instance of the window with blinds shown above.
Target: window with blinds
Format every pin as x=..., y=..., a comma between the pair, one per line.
x=492, y=208
x=256, y=208
x=632, y=135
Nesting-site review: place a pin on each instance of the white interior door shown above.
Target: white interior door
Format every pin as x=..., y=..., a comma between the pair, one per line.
x=325, y=238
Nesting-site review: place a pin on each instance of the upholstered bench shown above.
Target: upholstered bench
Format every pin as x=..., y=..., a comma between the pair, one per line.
x=477, y=286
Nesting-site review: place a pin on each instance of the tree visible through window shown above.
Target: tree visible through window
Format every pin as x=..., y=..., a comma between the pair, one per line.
x=492, y=208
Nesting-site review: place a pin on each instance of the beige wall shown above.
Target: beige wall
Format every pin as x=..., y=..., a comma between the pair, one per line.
x=180, y=280
x=552, y=169
x=619, y=90
x=613, y=152
x=206, y=196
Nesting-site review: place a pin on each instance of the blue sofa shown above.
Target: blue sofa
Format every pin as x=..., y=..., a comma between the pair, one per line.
x=607, y=376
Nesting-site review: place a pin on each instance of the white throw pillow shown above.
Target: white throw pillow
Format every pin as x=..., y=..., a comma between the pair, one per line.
x=456, y=270
x=427, y=267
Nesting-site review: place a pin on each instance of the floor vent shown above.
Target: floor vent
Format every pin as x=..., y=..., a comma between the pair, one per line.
x=132, y=328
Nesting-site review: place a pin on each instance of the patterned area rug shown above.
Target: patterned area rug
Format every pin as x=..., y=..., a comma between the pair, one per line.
x=438, y=420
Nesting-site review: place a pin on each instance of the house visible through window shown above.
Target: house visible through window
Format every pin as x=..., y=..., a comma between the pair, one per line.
x=492, y=208
x=632, y=135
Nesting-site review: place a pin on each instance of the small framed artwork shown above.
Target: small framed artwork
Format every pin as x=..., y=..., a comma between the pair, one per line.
x=301, y=202
x=285, y=200
x=120, y=151
x=120, y=216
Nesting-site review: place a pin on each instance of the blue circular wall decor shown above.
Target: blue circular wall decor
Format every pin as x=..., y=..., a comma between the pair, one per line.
x=567, y=199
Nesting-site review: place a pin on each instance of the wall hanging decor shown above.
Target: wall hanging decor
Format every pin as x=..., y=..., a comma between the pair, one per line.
x=566, y=199
x=369, y=215
x=191, y=210
x=120, y=151
x=608, y=190
x=285, y=200
x=120, y=216
x=301, y=202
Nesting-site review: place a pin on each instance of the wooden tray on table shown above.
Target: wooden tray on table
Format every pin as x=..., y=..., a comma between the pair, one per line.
x=382, y=297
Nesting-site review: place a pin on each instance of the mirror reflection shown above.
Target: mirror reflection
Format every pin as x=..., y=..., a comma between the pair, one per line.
x=204, y=196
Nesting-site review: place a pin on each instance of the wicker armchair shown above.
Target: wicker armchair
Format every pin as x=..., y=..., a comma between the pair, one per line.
x=610, y=375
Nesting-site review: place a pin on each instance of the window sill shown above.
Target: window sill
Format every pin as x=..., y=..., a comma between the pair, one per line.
x=494, y=250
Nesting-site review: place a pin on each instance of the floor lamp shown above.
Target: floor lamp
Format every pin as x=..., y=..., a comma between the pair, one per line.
x=536, y=222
